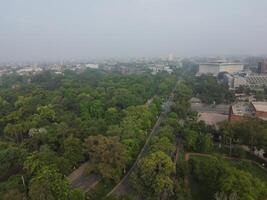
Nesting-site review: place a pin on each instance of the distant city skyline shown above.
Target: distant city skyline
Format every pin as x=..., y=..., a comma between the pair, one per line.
x=51, y=30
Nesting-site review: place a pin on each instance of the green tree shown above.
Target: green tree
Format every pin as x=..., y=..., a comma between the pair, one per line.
x=205, y=143
x=11, y=159
x=48, y=184
x=243, y=184
x=107, y=155
x=190, y=138
x=77, y=194
x=47, y=112
x=73, y=150
x=39, y=159
x=163, y=144
x=152, y=176
x=133, y=146
x=112, y=116
x=167, y=131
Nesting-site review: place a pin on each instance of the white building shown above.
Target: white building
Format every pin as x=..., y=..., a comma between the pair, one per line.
x=92, y=66
x=215, y=68
x=170, y=57
x=29, y=70
x=159, y=68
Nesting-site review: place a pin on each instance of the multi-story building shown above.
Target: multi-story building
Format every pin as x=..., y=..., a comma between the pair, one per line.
x=254, y=81
x=262, y=67
x=215, y=68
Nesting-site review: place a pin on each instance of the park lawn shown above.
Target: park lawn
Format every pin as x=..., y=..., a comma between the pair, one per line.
x=198, y=191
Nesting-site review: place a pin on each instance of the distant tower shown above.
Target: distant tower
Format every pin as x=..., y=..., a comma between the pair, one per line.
x=262, y=67
x=170, y=57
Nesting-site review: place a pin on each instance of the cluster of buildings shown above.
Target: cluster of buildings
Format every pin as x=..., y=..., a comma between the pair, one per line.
x=35, y=69
x=155, y=68
x=244, y=109
x=235, y=75
x=254, y=80
x=20, y=69
x=135, y=66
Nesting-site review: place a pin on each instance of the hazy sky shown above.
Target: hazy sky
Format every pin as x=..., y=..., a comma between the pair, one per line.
x=78, y=29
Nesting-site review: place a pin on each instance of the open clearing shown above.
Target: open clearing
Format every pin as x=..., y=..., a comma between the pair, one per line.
x=212, y=118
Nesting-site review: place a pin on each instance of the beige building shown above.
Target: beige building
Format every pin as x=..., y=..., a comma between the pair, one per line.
x=215, y=68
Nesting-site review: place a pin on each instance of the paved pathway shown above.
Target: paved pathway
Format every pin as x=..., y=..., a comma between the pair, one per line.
x=79, y=180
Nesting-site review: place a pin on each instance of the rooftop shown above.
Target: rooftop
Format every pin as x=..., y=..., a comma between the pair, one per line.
x=241, y=109
x=221, y=63
x=260, y=106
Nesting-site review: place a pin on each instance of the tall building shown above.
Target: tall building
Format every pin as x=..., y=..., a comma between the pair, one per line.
x=170, y=57
x=215, y=68
x=262, y=67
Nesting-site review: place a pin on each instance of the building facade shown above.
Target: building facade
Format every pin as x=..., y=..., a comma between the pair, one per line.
x=254, y=81
x=244, y=110
x=262, y=67
x=215, y=68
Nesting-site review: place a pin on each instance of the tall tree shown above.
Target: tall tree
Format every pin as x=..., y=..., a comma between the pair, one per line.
x=48, y=184
x=152, y=176
x=107, y=155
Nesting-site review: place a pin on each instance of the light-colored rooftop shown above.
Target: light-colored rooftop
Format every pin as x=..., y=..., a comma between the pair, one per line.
x=260, y=106
x=221, y=63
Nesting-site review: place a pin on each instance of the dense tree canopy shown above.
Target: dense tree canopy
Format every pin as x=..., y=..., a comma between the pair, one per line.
x=51, y=123
x=207, y=88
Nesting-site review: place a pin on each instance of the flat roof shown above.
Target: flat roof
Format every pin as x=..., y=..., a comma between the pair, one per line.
x=221, y=63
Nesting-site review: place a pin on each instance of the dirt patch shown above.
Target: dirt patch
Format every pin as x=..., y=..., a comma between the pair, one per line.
x=212, y=118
